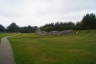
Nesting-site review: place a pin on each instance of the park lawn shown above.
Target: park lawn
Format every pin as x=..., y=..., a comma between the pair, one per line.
x=2, y=35
x=66, y=49
x=7, y=34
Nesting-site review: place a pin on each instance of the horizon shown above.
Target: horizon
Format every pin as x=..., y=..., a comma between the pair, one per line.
x=41, y=12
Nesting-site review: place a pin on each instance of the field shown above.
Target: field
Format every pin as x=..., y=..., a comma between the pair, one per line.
x=65, y=49
x=2, y=35
x=7, y=34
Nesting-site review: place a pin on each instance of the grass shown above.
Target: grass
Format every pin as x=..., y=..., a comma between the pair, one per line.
x=67, y=49
x=2, y=35
x=7, y=34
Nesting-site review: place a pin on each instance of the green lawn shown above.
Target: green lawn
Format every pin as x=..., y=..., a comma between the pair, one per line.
x=2, y=35
x=7, y=34
x=67, y=49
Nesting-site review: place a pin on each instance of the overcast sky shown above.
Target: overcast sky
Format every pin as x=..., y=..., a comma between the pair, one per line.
x=40, y=12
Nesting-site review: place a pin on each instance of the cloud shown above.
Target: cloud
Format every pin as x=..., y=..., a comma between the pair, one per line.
x=40, y=12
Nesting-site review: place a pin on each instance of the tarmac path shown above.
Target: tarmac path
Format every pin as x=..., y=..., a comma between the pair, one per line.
x=6, y=53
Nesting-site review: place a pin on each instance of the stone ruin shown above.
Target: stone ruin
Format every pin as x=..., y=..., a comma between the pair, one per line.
x=65, y=32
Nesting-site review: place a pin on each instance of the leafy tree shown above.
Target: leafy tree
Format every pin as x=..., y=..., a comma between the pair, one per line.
x=89, y=21
x=69, y=25
x=13, y=28
x=78, y=26
x=58, y=26
x=28, y=29
x=48, y=27
x=2, y=29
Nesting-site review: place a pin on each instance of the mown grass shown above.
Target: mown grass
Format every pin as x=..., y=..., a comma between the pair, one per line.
x=2, y=35
x=66, y=49
x=8, y=34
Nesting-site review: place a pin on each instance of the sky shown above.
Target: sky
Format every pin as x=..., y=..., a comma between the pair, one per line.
x=40, y=12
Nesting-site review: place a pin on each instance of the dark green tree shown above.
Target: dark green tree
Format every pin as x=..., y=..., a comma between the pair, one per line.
x=89, y=21
x=2, y=29
x=69, y=26
x=59, y=26
x=28, y=29
x=78, y=26
x=13, y=28
x=48, y=27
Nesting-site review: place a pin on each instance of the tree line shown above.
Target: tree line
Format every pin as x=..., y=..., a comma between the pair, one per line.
x=13, y=27
x=88, y=22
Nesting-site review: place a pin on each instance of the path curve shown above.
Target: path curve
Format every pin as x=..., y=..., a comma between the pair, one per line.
x=6, y=54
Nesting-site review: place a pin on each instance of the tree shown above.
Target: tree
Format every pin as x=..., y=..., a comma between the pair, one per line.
x=78, y=26
x=89, y=21
x=28, y=29
x=59, y=26
x=13, y=28
x=48, y=27
x=69, y=25
x=2, y=29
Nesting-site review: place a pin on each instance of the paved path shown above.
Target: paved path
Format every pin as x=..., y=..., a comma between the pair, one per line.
x=6, y=54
